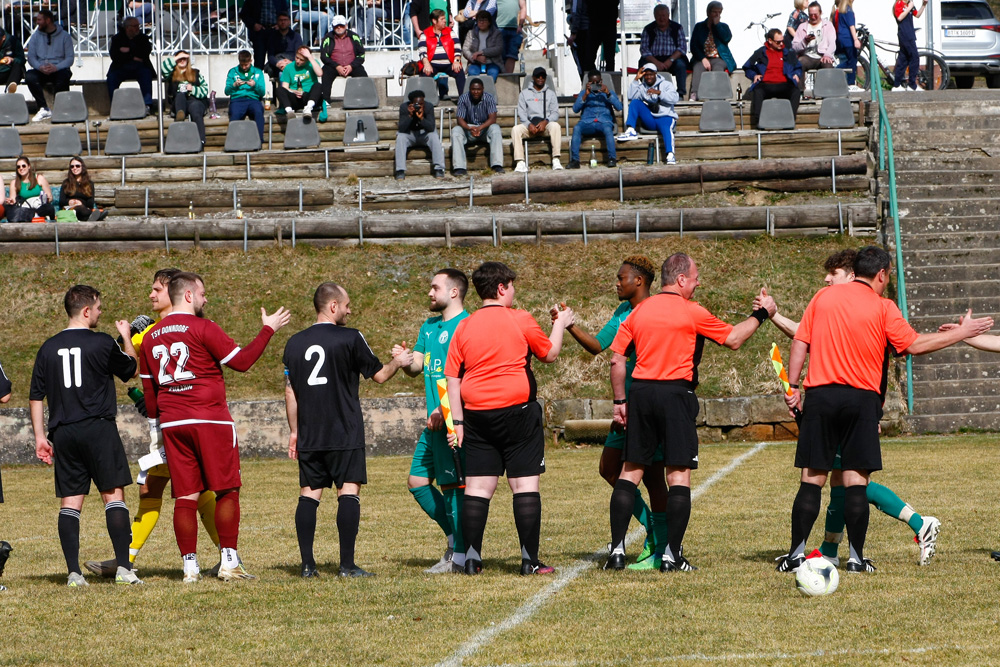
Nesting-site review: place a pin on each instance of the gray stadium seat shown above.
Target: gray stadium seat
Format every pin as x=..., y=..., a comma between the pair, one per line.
x=488, y=85
x=123, y=140
x=424, y=83
x=836, y=113
x=10, y=142
x=301, y=132
x=776, y=114
x=182, y=137
x=127, y=104
x=13, y=109
x=717, y=116
x=360, y=93
x=63, y=142
x=715, y=86
x=69, y=107
x=830, y=82
x=351, y=129
x=242, y=137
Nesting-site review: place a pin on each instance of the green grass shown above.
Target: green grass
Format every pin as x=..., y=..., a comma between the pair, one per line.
x=735, y=609
x=388, y=288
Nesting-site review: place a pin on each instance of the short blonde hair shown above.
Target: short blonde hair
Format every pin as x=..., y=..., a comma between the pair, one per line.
x=801, y=4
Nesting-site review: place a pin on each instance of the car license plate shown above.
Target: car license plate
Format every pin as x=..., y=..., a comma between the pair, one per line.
x=959, y=33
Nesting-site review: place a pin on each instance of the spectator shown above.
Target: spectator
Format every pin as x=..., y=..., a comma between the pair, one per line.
x=476, y=123
x=815, y=42
x=579, y=33
x=366, y=12
x=187, y=90
x=51, y=57
x=300, y=87
x=710, y=47
x=468, y=16
x=510, y=20
x=304, y=15
x=596, y=106
x=420, y=14
x=483, y=47
x=848, y=43
x=664, y=45
x=77, y=192
x=775, y=72
x=907, y=59
x=142, y=10
x=342, y=55
x=651, y=100
x=603, y=15
x=130, y=51
x=259, y=16
x=416, y=128
x=30, y=194
x=11, y=62
x=538, y=113
x=438, y=54
x=282, y=44
x=795, y=19
x=245, y=88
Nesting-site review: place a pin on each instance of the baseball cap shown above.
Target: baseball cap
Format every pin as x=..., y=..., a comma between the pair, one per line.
x=539, y=71
x=648, y=67
x=339, y=19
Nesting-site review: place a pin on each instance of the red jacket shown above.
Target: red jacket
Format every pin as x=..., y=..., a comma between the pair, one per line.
x=446, y=39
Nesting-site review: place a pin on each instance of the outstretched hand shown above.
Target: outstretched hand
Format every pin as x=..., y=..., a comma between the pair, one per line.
x=277, y=320
x=765, y=301
x=974, y=326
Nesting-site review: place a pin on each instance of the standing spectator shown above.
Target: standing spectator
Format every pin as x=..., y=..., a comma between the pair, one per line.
x=300, y=87
x=282, y=44
x=130, y=51
x=538, y=115
x=848, y=44
x=579, y=36
x=775, y=72
x=797, y=17
x=259, y=16
x=77, y=192
x=510, y=20
x=304, y=15
x=11, y=62
x=438, y=54
x=367, y=12
x=245, y=87
x=187, y=89
x=907, y=59
x=341, y=55
x=815, y=42
x=30, y=194
x=603, y=16
x=664, y=45
x=476, y=123
x=651, y=100
x=710, y=47
x=416, y=128
x=483, y=47
x=597, y=106
x=51, y=57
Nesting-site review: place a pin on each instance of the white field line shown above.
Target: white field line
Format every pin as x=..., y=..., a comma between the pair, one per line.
x=567, y=575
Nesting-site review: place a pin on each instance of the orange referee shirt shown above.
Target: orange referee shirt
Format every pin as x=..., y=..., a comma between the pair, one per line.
x=847, y=328
x=668, y=332
x=491, y=352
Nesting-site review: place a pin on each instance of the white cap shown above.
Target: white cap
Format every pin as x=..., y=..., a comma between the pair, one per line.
x=648, y=66
x=339, y=19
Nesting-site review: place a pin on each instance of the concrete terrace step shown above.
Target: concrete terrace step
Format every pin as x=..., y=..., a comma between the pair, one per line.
x=909, y=139
x=946, y=175
x=954, y=355
x=950, y=207
x=945, y=162
x=958, y=239
x=917, y=192
x=946, y=122
x=943, y=224
x=951, y=272
x=954, y=372
x=947, y=307
x=959, y=289
x=959, y=405
x=953, y=257
x=957, y=388
x=945, y=423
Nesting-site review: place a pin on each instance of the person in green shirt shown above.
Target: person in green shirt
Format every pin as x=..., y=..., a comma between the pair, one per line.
x=300, y=88
x=245, y=87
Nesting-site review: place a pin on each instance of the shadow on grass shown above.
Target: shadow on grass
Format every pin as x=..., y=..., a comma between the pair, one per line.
x=762, y=555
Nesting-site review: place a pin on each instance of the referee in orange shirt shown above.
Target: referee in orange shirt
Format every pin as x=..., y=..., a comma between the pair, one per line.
x=497, y=420
x=667, y=333
x=845, y=330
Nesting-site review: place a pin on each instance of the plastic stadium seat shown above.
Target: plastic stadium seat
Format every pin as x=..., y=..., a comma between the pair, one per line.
x=776, y=114
x=10, y=142
x=13, y=109
x=127, y=104
x=830, y=82
x=69, y=107
x=717, y=116
x=367, y=121
x=183, y=137
x=715, y=86
x=301, y=132
x=123, y=140
x=488, y=85
x=360, y=93
x=242, y=137
x=424, y=83
x=836, y=113
x=63, y=142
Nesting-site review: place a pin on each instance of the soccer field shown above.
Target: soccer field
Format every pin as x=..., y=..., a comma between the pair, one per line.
x=734, y=609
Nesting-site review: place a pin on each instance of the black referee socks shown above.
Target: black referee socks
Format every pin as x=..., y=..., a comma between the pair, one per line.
x=678, y=515
x=305, y=528
x=805, y=510
x=119, y=530
x=622, y=502
x=856, y=513
x=69, y=538
x=348, y=520
x=475, y=511
x=528, y=520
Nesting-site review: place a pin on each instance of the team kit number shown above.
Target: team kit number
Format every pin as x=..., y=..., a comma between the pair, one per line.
x=180, y=353
x=72, y=366
x=314, y=377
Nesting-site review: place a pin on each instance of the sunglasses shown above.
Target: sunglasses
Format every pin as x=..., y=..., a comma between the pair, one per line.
x=76, y=166
x=22, y=166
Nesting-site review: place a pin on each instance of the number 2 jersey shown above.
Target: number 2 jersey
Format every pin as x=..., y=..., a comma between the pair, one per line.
x=181, y=368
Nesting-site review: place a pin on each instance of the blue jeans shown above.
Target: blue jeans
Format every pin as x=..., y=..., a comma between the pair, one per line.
x=512, y=38
x=324, y=21
x=590, y=129
x=848, y=61
x=132, y=72
x=490, y=69
x=407, y=26
x=662, y=124
x=241, y=107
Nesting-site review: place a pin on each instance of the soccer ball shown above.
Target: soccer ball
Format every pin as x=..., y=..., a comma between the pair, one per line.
x=817, y=576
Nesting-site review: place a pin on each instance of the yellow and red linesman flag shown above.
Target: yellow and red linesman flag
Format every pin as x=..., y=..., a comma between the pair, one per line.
x=779, y=368
x=449, y=423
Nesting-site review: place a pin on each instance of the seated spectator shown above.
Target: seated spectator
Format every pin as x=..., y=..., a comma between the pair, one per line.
x=538, y=113
x=11, y=62
x=245, y=88
x=651, y=100
x=130, y=51
x=710, y=47
x=467, y=19
x=775, y=72
x=476, y=123
x=416, y=128
x=187, y=90
x=438, y=55
x=795, y=19
x=483, y=47
x=77, y=192
x=815, y=42
x=282, y=44
x=343, y=54
x=597, y=106
x=51, y=57
x=30, y=195
x=299, y=88
x=142, y=10
x=664, y=45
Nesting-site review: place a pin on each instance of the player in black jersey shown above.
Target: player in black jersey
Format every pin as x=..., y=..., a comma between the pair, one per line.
x=5, y=548
x=322, y=365
x=75, y=371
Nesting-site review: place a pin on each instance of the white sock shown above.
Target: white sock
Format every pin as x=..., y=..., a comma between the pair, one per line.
x=451, y=541
x=191, y=563
x=309, y=107
x=289, y=110
x=230, y=559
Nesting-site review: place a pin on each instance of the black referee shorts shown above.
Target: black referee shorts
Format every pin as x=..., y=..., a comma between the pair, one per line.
x=661, y=416
x=510, y=440
x=840, y=417
x=326, y=469
x=89, y=450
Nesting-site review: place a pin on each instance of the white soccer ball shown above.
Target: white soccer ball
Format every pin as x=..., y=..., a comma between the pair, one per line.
x=817, y=576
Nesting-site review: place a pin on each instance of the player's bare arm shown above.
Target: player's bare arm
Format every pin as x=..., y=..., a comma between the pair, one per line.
x=400, y=360
x=586, y=340
x=292, y=413
x=416, y=366
x=618, y=372
x=742, y=331
x=564, y=319
x=43, y=448
x=985, y=342
x=968, y=327
x=796, y=360
x=785, y=325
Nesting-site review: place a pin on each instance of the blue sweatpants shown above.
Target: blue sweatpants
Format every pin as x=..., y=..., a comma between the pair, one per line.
x=662, y=124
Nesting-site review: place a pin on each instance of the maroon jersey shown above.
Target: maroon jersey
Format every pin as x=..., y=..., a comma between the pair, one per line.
x=181, y=369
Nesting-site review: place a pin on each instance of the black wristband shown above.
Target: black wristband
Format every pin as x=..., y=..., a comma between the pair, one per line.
x=620, y=401
x=458, y=422
x=793, y=386
x=760, y=315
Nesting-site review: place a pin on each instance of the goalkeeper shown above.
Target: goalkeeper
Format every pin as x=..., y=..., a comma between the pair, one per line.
x=153, y=478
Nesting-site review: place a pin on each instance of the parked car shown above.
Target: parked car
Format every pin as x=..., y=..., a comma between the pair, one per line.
x=969, y=38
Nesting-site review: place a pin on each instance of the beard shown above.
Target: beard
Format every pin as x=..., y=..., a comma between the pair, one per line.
x=437, y=307
x=200, y=312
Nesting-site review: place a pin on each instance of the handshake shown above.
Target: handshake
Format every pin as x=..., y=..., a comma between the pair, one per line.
x=562, y=312
x=402, y=355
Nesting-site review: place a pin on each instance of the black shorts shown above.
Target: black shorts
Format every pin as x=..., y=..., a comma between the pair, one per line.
x=332, y=468
x=840, y=417
x=510, y=440
x=661, y=416
x=89, y=450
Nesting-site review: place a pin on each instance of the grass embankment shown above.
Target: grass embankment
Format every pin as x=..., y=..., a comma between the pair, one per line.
x=388, y=289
